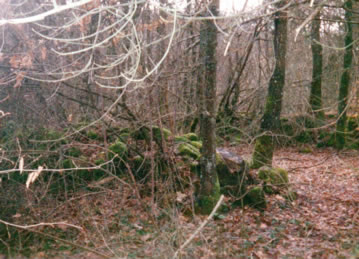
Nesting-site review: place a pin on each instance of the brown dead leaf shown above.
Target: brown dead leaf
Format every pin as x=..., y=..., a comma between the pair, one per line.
x=146, y=237
x=19, y=78
x=180, y=196
x=26, y=61
x=43, y=53
x=41, y=254
x=263, y=226
x=15, y=61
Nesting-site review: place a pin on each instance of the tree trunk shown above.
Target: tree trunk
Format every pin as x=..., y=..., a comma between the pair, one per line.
x=315, y=99
x=263, y=151
x=209, y=191
x=345, y=79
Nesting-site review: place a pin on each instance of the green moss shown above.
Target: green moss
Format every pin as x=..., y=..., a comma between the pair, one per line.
x=187, y=150
x=353, y=145
x=305, y=136
x=179, y=139
x=326, y=139
x=7, y=130
x=92, y=135
x=124, y=136
x=273, y=178
x=306, y=150
x=140, y=167
x=330, y=115
x=237, y=138
x=52, y=134
x=196, y=144
x=125, y=131
x=352, y=123
x=191, y=136
x=67, y=164
x=99, y=161
x=118, y=148
x=255, y=198
x=157, y=135
x=230, y=182
x=205, y=203
x=141, y=134
x=263, y=152
x=74, y=152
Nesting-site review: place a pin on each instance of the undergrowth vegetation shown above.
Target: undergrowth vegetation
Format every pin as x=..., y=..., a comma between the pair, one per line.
x=129, y=193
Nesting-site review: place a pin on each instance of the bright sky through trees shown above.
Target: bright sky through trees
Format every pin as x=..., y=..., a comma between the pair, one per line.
x=237, y=5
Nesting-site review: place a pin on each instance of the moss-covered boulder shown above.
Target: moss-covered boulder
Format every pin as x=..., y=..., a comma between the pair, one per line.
x=196, y=144
x=274, y=179
x=229, y=181
x=157, y=133
x=231, y=170
x=179, y=139
x=189, y=137
x=186, y=150
x=255, y=198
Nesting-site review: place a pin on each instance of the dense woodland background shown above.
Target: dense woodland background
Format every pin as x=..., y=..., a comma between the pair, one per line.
x=123, y=123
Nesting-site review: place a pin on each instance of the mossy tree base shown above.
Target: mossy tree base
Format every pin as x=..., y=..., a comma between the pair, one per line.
x=207, y=201
x=263, y=152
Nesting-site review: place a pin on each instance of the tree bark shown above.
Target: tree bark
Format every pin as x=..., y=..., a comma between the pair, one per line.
x=315, y=99
x=209, y=191
x=263, y=151
x=345, y=79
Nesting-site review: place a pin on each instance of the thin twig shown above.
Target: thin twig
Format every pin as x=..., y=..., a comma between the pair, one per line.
x=39, y=225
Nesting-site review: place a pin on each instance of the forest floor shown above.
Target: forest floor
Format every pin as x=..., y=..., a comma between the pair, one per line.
x=322, y=223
